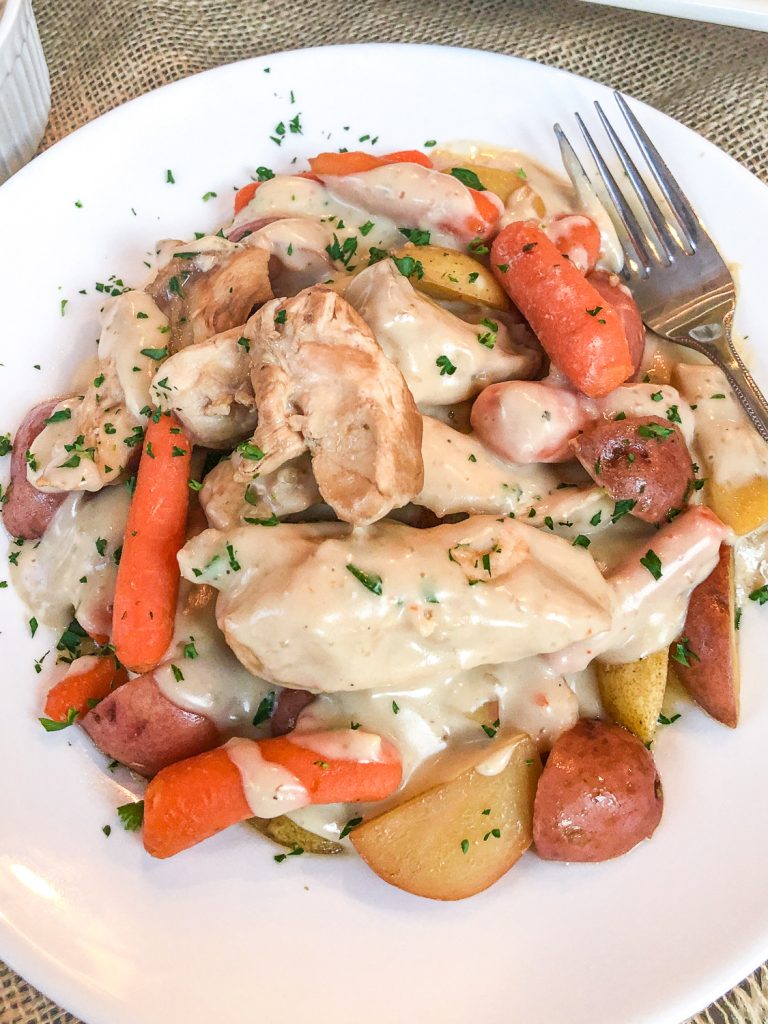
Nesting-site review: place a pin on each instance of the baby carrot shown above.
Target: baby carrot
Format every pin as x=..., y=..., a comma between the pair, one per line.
x=488, y=213
x=577, y=237
x=192, y=800
x=356, y=162
x=581, y=333
x=148, y=575
x=329, y=779
x=244, y=195
x=88, y=680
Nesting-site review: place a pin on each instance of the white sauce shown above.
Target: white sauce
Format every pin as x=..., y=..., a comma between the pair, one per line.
x=48, y=573
x=270, y=789
x=295, y=614
x=731, y=450
x=342, y=745
x=416, y=333
x=213, y=683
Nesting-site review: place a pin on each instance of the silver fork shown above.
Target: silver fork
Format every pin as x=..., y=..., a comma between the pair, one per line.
x=678, y=278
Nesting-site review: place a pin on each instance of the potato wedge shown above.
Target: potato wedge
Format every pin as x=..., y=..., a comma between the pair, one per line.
x=285, y=832
x=450, y=274
x=503, y=183
x=742, y=508
x=633, y=693
x=458, y=837
x=728, y=445
x=710, y=649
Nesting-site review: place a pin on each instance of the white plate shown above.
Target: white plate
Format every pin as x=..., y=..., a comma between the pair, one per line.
x=223, y=933
x=741, y=13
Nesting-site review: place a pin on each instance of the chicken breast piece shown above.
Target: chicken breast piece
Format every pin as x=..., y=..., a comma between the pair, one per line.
x=208, y=386
x=209, y=286
x=92, y=437
x=322, y=384
x=229, y=503
x=443, y=358
x=325, y=608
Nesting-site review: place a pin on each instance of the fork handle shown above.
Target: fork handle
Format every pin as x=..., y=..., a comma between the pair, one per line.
x=723, y=354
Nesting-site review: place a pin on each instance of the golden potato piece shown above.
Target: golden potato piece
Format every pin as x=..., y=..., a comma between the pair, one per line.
x=633, y=693
x=501, y=182
x=460, y=836
x=285, y=832
x=450, y=274
x=742, y=508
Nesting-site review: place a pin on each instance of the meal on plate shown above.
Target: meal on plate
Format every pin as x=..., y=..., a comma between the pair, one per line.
x=381, y=523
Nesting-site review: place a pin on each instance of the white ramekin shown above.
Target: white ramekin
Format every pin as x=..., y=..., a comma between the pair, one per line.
x=25, y=88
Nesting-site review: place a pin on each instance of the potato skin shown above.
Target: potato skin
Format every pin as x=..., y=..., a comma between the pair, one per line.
x=288, y=707
x=27, y=512
x=598, y=796
x=138, y=726
x=653, y=471
x=712, y=677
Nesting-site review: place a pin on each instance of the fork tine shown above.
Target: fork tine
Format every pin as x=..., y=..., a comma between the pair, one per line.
x=623, y=209
x=651, y=207
x=663, y=176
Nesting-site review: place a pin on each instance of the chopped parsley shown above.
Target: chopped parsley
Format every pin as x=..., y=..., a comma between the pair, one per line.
x=233, y=562
x=101, y=545
x=621, y=508
x=491, y=730
x=657, y=396
x=6, y=446
x=682, y=652
x=595, y=311
x=663, y=720
x=409, y=267
x=249, y=451
x=395, y=708
x=265, y=708
x=465, y=846
x=370, y=581
x=170, y=180
x=272, y=521
x=468, y=178
x=351, y=825
x=365, y=229
x=488, y=339
x=264, y=173
x=209, y=195
x=155, y=353
x=581, y=541
x=131, y=815
x=296, y=851
x=343, y=251
x=478, y=246
x=595, y=520
x=178, y=675
x=446, y=366
x=414, y=235
x=52, y=726
x=654, y=430
x=760, y=594
x=652, y=563
x=190, y=651
x=673, y=414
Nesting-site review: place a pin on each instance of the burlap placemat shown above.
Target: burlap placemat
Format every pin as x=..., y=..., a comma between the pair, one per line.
x=714, y=79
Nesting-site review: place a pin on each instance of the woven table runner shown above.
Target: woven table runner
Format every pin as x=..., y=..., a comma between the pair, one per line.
x=712, y=78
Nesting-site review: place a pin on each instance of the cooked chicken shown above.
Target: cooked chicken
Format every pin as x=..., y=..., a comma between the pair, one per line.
x=229, y=503
x=208, y=387
x=444, y=359
x=209, y=286
x=298, y=249
x=322, y=384
x=92, y=437
x=322, y=607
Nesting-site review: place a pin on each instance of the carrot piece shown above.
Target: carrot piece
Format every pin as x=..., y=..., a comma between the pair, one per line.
x=581, y=333
x=355, y=162
x=244, y=195
x=330, y=780
x=88, y=679
x=487, y=215
x=148, y=575
x=192, y=800
x=577, y=237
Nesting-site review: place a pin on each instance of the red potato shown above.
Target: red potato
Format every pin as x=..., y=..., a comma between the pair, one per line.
x=620, y=297
x=580, y=332
x=288, y=707
x=711, y=649
x=577, y=237
x=599, y=795
x=642, y=460
x=138, y=726
x=27, y=512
